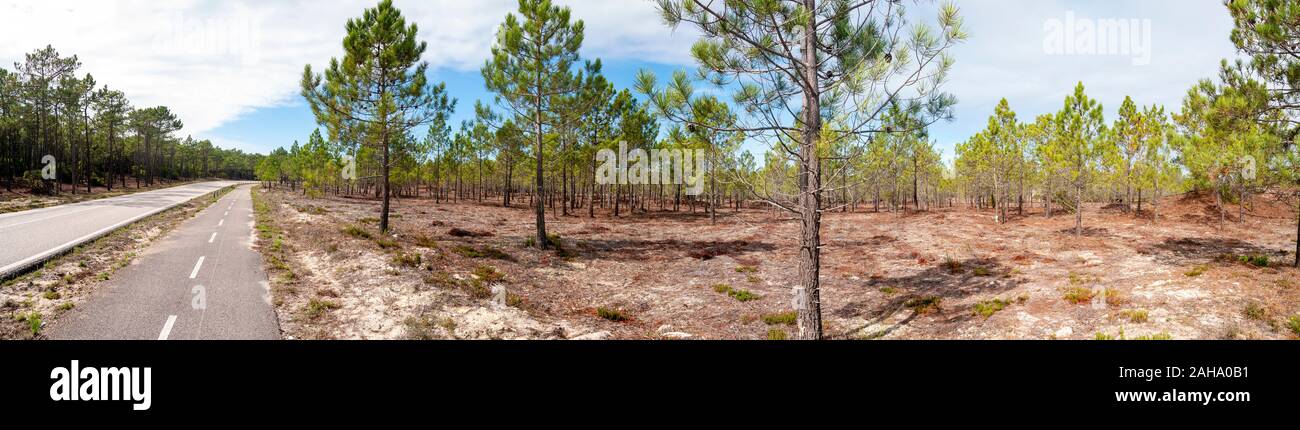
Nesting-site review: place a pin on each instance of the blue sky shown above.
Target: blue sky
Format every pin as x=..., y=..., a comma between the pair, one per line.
x=231, y=68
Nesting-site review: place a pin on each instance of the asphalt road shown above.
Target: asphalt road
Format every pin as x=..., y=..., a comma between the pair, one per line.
x=29, y=237
x=204, y=280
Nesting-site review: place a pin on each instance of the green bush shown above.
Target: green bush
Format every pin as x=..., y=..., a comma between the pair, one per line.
x=1078, y=295
x=783, y=318
x=924, y=305
x=407, y=259
x=614, y=315
x=357, y=232
x=739, y=295
x=987, y=308
x=317, y=307
x=776, y=334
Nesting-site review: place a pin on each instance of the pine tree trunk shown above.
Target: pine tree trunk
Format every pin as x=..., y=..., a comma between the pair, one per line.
x=383, y=211
x=1078, y=210
x=539, y=199
x=808, y=294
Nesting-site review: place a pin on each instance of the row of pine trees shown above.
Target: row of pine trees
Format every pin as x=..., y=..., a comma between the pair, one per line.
x=842, y=93
x=94, y=134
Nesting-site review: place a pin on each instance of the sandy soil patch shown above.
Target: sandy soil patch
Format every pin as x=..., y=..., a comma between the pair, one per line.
x=665, y=275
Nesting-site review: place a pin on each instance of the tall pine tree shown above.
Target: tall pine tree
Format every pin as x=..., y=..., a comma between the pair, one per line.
x=379, y=91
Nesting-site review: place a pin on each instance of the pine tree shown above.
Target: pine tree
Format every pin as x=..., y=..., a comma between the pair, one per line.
x=1077, y=145
x=1269, y=32
x=530, y=72
x=1130, y=141
x=802, y=64
x=379, y=91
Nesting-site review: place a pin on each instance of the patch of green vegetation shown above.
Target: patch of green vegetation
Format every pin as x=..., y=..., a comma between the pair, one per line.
x=739, y=295
x=888, y=290
x=488, y=274
x=369, y=220
x=746, y=269
x=1254, y=260
x=982, y=271
x=1293, y=323
x=52, y=295
x=783, y=318
x=277, y=263
x=987, y=308
x=317, y=307
x=514, y=300
x=924, y=305
x=34, y=323
x=421, y=328
x=776, y=334
x=66, y=306
x=1196, y=270
x=753, y=279
x=1137, y=316
x=1078, y=295
x=467, y=251
x=477, y=288
x=611, y=314
x=1078, y=279
x=425, y=242
x=387, y=243
x=404, y=259
x=1255, y=312
x=552, y=241
x=1164, y=335
x=357, y=232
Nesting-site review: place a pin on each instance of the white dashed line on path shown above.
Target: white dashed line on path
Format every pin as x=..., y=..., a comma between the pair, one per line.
x=221, y=223
x=195, y=273
x=214, y=237
x=167, y=328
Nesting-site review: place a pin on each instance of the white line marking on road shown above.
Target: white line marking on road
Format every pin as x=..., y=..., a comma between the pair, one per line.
x=167, y=328
x=226, y=214
x=194, y=273
x=214, y=237
x=222, y=222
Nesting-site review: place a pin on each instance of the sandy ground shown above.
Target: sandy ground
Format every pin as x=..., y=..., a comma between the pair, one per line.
x=924, y=275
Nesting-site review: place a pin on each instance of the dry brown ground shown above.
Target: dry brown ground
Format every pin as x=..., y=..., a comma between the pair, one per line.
x=913, y=276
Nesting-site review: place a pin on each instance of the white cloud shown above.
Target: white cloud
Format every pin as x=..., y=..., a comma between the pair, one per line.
x=213, y=61
x=1005, y=57
x=131, y=45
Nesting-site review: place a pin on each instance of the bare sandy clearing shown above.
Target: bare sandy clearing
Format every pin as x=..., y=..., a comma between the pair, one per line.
x=673, y=275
